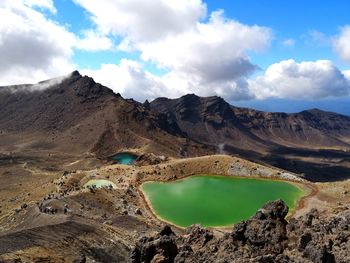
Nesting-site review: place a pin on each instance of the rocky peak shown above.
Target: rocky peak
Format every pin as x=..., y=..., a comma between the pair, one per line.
x=203, y=109
x=86, y=88
x=217, y=105
x=147, y=105
x=75, y=73
x=187, y=101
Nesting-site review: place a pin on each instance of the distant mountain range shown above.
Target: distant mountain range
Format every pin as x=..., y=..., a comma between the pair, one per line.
x=77, y=115
x=339, y=105
x=211, y=120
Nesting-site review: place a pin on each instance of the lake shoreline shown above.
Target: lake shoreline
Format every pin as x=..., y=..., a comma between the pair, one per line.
x=306, y=192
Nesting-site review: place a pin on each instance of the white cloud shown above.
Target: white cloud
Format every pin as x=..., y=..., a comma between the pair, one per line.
x=202, y=55
x=288, y=42
x=94, y=41
x=289, y=79
x=140, y=20
x=131, y=80
x=347, y=74
x=44, y=4
x=341, y=44
x=210, y=58
x=209, y=49
x=38, y=86
x=32, y=48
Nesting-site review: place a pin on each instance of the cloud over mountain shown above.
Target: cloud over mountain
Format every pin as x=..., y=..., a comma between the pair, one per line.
x=305, y=80
x=138, y=20
x=161, y=48
x=342, y=43
x=204, y=55
x=32, y=46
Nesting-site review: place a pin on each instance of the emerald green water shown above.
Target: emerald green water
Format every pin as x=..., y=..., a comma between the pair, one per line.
x=100, y=183
x=124, y=158
x=215, y=200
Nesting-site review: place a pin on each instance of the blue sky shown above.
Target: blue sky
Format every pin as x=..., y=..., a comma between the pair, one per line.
x=288, y=19
x=295, y=20
x=275, y=55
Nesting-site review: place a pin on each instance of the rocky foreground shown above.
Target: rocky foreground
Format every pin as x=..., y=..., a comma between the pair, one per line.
x=265, y=237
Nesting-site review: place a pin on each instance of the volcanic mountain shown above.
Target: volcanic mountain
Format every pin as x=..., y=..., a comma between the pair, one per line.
x=212, y=120
x=78, y=116
x=300, y=142
x=75, y=115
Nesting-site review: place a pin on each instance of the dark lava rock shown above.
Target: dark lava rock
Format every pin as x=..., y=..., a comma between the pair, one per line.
x=161, y=248
x=166, y=231
x=265, y=232
x=266, y=237
x=304, y=240
x=198, y=236
x=318, y=254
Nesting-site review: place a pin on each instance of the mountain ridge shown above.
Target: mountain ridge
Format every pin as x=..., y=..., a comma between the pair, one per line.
x=76, y=114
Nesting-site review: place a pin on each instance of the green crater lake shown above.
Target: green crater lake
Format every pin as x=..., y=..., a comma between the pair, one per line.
x=215, y=200
x=124, y=158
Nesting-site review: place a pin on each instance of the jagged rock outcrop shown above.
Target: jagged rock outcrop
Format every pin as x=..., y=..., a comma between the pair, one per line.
x=265, y=237
x=159, y=249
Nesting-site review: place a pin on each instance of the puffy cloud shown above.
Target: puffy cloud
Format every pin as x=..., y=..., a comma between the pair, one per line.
x=289, y=79
x=346, y=74
x=131, y=80
x=341, y=44
x=31, y=46
x=205, y=55
x=94, y=41
x=210, y=49
x=210, y=58
x=140, y=20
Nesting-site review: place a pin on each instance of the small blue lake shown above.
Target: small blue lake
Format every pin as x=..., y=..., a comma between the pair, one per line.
x=124, y=158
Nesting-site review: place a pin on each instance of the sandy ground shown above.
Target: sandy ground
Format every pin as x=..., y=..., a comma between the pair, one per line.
x=121, y=214
x=323, y=196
